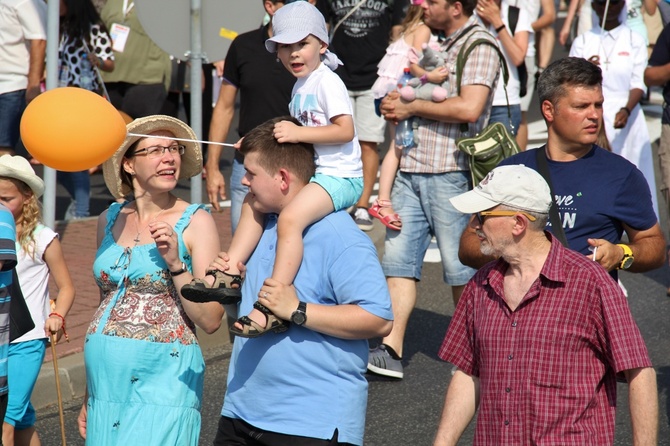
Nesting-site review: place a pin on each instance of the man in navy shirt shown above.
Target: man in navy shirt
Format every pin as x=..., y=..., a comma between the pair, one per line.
x=600, y=195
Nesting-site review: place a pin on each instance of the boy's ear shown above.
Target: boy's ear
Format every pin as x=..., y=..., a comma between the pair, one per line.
x=324, y=47
x=285, y=178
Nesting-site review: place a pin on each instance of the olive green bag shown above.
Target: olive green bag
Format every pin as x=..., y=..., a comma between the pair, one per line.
x=494, y=143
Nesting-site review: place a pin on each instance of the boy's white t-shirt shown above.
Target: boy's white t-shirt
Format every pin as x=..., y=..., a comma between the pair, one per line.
x=315, y=100
x=34, y=280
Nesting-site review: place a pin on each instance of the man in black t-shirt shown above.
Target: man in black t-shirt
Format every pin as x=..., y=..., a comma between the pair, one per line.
x=362, y=30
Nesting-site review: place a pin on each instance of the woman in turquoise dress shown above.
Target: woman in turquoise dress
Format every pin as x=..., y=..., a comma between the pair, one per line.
x=144, y=366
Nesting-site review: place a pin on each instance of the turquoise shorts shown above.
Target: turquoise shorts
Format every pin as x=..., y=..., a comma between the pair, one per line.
x=344, y=192
x=24, y=363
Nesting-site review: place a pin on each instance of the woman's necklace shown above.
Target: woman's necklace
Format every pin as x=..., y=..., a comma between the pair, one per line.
x=137, y=218
x=605, y=53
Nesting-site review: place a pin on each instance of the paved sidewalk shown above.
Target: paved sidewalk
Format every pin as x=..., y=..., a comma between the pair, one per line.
x=78, y=239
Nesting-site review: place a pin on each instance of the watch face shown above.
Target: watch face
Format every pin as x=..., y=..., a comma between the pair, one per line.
x=626, y=263
x=298, y=317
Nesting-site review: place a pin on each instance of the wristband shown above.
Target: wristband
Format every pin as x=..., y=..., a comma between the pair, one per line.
x=424, y=79
x=500, y=28
x=627, y=110
x=63, y=327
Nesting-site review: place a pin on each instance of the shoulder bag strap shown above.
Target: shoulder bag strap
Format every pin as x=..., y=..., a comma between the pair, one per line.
x=462, y=57
x=346, y=16
x=543, y=169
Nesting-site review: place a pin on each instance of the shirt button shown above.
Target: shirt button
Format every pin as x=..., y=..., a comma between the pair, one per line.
x=508, y=390
x=506, y=422
x=514, y=324
x=271, y=247
x=510, y=357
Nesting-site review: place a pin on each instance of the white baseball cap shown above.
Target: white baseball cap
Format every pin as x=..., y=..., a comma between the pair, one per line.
x=295, y=21
x=517, y=186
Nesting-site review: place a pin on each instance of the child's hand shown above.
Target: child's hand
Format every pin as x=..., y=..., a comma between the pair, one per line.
x=438, y=75
x=221, y=263
x=286, y=131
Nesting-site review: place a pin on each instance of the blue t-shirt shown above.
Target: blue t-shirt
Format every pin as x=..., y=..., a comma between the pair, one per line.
x=302, y=382
x=8, y=257
x=595, y=194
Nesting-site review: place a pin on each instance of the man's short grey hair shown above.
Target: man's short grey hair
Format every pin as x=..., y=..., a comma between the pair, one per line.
x=567, y=72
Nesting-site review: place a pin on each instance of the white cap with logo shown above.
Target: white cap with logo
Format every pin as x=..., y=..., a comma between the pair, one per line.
x=516, y=186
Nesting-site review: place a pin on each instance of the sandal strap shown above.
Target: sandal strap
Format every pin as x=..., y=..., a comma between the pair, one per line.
x=262, y=308
x=384, y=203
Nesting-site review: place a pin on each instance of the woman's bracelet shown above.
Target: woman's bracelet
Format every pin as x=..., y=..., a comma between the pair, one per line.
x=627, y=110
x=63, y=327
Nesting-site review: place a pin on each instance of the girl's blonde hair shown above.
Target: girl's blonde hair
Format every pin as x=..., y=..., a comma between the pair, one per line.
x=29, y=219
x=413, y=17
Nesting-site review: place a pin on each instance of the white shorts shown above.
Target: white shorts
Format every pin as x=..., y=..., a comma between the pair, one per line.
x=369, y=126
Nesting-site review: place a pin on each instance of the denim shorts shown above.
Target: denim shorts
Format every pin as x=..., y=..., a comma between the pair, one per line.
x=370, y=126
x=12, y=105
x=344, y=192
x=422, y=201
x=23, y=367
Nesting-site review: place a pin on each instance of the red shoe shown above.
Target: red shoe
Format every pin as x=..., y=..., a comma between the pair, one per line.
x=392, y=220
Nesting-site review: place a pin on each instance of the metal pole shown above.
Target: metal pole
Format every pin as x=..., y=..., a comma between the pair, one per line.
x=53, y=19
x=196, y=88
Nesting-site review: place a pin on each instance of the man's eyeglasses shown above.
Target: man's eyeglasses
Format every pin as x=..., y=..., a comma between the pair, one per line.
x=158, y=151
x=480, y=215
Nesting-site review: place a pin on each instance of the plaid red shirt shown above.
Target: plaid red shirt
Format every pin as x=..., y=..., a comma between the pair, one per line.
x=546, y=370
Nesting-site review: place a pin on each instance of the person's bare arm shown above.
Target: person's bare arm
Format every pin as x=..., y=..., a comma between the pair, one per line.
x=222, y=116
x=648, y=248
x=347, y=321
x=548, y=16
x=655, y=76
x=643, y=405
x=339, y=131
x=565, y=30
x=515, y=45
x=467, y=107
x=35, y=68
x=460, y=405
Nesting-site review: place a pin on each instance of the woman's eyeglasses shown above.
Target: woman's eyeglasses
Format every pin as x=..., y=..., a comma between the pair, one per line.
x=158, y=151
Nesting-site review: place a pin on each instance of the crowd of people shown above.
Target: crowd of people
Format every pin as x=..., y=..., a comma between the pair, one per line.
x=543, y=234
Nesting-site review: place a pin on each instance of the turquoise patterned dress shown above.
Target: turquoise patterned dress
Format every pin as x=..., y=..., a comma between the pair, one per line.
x=144, y=367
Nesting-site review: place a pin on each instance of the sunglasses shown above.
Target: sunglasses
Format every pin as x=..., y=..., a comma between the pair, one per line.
x=480, y=215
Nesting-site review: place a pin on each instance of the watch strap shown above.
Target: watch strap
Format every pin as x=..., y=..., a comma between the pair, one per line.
x=179, y=271
x=627, y=254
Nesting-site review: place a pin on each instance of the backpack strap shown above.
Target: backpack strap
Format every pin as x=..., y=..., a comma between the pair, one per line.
x=462, y=58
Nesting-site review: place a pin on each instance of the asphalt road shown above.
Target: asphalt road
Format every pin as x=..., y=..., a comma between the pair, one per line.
x=407, y=412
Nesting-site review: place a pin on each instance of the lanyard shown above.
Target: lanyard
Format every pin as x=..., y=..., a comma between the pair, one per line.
x=127, y=7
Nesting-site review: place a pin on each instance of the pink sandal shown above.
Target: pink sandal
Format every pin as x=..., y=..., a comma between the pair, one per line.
x=391, y=221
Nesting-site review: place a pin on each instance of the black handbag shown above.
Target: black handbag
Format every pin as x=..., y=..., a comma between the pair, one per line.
x=20, y=320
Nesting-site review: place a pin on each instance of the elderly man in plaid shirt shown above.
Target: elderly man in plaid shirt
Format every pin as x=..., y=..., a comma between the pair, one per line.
x=541, y=334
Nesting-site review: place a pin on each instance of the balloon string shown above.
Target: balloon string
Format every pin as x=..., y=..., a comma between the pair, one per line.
x=182, y=139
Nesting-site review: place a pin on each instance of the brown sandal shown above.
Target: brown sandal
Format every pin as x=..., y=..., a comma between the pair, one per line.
x=251, y=329
x=226, y=289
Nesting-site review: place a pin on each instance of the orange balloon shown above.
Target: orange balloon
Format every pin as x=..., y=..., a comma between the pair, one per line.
x=71, y=129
